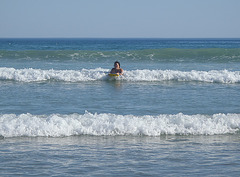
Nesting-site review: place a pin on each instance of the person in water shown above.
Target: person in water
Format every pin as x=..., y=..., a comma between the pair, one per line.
x=117, y=69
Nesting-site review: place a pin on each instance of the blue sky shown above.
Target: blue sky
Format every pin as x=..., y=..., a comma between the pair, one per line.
x=120, y=18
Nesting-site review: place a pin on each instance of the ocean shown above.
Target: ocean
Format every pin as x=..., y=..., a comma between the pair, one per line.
x=174, y=112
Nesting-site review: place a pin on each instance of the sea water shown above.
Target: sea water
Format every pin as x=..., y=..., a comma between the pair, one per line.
x=174, y=112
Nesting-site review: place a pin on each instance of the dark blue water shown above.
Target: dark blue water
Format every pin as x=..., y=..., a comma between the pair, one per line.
x=115, y=44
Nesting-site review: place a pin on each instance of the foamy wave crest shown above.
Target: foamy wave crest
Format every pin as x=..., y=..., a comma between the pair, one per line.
x=57, y=125
x=33, y=75
x=98, y=74
x=222, y=76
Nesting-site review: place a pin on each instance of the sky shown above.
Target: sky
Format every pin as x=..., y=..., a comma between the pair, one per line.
x=119, y=19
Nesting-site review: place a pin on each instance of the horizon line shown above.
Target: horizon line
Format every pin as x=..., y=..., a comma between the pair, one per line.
x=119, y=37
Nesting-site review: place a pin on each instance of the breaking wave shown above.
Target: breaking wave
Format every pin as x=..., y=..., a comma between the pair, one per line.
x=100, y=74
x=57, y=125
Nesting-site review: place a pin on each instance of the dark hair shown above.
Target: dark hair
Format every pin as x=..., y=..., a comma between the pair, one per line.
x=117, y=63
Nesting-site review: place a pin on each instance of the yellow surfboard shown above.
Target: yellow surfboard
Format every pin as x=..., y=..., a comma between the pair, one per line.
x=113, y=75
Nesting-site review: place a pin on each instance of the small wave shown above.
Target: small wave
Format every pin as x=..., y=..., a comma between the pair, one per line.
x=158, y=55
x=100, y=74
x=57, y=125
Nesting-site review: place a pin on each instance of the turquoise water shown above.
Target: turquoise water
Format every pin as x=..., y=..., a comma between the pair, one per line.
x=175, y=111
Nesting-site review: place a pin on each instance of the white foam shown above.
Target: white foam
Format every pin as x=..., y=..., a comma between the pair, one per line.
x=33, y=75
x=57, y=125
x=220, y=76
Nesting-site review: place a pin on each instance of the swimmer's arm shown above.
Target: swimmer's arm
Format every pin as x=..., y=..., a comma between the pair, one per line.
x=121, y=73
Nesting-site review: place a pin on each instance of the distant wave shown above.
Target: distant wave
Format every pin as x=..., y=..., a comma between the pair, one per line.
x=57, y=125
x=100, y=74
x=158, y=55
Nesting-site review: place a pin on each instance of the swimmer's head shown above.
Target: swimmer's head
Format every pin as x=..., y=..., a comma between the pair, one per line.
x=117, y=62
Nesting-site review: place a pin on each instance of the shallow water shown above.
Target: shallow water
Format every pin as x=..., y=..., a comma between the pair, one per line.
x=121, y=156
